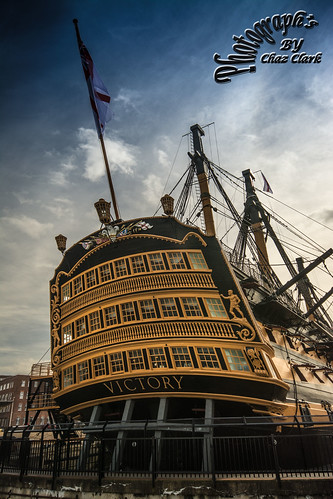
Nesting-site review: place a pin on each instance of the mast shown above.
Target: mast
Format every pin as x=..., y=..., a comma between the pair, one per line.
x=88, y=70
x=257, y=216
x=252, y=215
x=199, y=160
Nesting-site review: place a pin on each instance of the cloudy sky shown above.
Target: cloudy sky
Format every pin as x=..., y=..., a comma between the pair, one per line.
x=156, y=59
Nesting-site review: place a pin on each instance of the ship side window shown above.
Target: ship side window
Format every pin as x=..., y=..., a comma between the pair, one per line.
x=290, y=343
x=67, y=376
x=110, y=316
x=317, y=377
x=157, y=357
x=181, y=357
x=304, y=409
x=236, y=359
x=147, y=309
x=83, y=370
x=299, y=373
x=116, y=362
x=105, y=273
x=208, y=358
x=197, y=260
x=215, y=307
x=136, y=359
x=80, y=326
x=191, y=306
x=94, y=321
x=99, y=366
x=120, y=267
x=176, y=260
x=66, y=292
x=67, y=333
x=156, y=261
x=137, y=264
x=90, y=278
x=169, y=308
x=128, y=312
x=77, y=285
x=270, y=335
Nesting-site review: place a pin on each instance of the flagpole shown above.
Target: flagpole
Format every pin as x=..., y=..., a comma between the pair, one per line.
x=108, y=173
x=99, y=132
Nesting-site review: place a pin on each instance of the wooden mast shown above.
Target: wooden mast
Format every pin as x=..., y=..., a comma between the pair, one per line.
x=199, y=160
x=98, y=127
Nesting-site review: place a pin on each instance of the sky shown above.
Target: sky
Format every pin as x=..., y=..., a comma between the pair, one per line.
x=156, y=59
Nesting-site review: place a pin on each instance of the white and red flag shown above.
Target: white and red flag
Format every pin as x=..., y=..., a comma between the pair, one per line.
x=267, y=187
x=99, y=96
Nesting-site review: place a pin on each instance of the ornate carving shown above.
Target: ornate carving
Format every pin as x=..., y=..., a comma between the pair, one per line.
x=56, y=360
x=56, y=338
x=246, y=335
x=56, y=384
x=55, y=317
x=234, y=304
x=256, y=361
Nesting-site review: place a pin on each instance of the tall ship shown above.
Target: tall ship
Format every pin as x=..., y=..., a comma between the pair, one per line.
x=155, y=319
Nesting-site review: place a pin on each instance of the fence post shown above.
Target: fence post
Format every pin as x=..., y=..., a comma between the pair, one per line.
x=55, y=463
x=153, y=460
x=212, y=460
x=276, y=459
x=101, y=460
x=24, y=456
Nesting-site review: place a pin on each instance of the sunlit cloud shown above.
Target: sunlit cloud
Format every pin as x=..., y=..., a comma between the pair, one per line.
x=128, y=98
x=153, y=186
x=121, y=155
x=28, y=226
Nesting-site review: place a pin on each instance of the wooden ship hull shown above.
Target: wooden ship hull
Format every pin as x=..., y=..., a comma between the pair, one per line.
x=152, y=319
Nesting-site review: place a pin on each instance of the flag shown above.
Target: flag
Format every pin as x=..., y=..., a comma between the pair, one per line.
x=99, y=96
x=267, y=187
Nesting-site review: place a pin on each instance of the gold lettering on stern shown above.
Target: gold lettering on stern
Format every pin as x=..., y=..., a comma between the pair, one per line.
x=127, y=387
x=149, y=383
x=178, y=381
x=142, y=386
x=166, y=382
x=109, y=387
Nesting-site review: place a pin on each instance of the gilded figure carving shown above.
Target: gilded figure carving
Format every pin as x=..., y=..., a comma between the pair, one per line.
x=234, y=304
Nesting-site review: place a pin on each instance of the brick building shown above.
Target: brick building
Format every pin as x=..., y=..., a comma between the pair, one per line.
x=13, y=399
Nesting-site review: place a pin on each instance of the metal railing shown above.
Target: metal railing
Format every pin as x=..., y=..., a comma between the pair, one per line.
x=43, y=369
x=214, y=457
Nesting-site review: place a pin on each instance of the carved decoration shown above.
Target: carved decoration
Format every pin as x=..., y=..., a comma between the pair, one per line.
x=234, y=308
x=56, y=384
x=256, y=361
x=246, y=334
x=55, y=318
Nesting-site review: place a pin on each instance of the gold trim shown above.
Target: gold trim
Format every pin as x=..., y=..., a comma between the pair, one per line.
x=215, y=396
x=148, y=331
x=134, y=284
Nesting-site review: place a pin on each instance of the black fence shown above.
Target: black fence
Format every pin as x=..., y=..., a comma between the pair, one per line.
x=276, y=455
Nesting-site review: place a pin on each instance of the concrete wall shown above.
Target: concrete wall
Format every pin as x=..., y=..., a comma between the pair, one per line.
x=191, y=488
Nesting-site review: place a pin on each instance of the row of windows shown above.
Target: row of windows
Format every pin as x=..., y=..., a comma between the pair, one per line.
x=6, y=396
x=144, y=310
x=5, y=408
x=6, y=386
x=151, y=262
x=233, y=359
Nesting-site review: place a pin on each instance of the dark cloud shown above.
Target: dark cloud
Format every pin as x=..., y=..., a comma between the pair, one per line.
x=156, y=59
